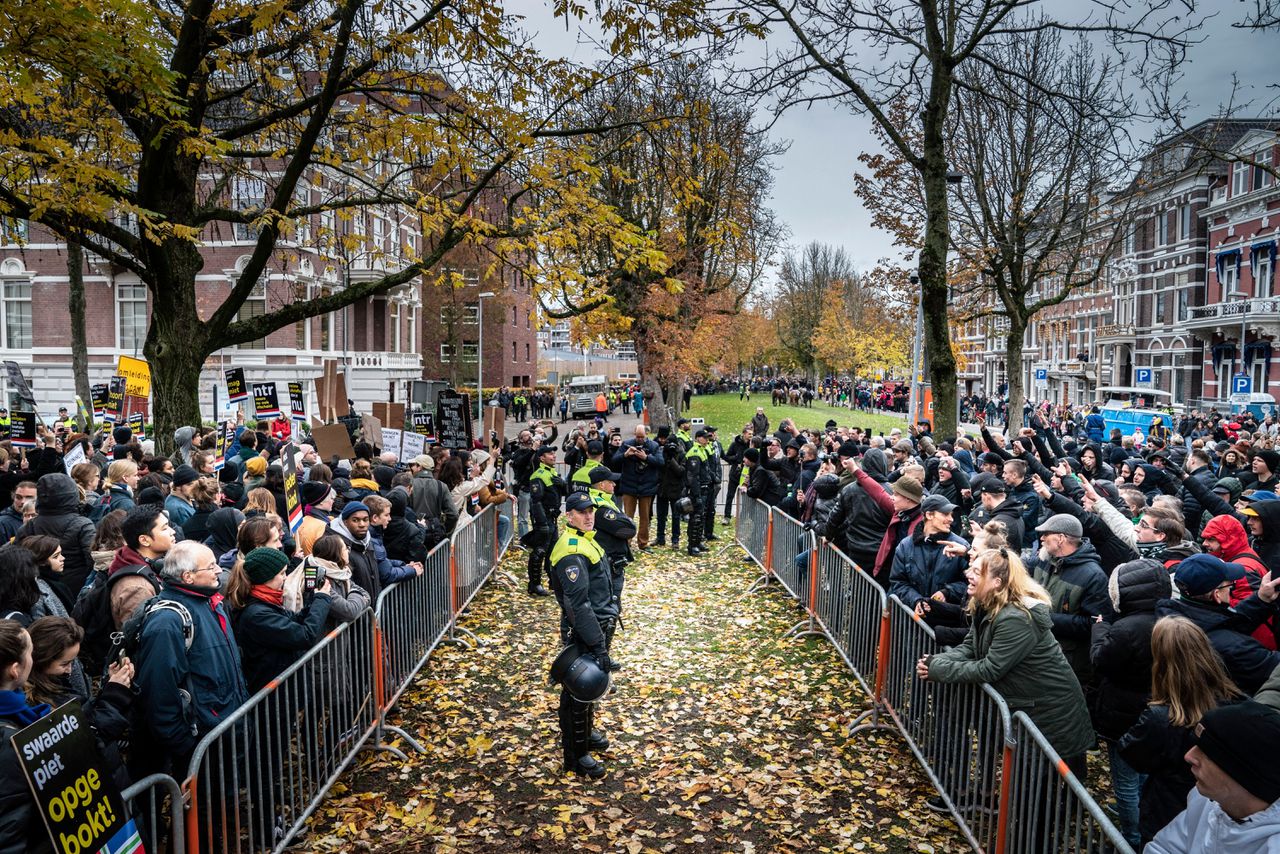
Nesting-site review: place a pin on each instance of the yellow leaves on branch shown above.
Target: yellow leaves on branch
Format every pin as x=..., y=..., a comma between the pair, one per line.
x=872, y=341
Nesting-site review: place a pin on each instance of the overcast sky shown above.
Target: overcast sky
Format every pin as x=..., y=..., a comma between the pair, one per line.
x=813, y=190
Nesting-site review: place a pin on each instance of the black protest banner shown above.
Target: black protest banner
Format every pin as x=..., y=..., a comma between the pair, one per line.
x=453, y=420
x=297, y=402
x=237, y=388
x=138, y=423
x=424, y=423
x=266, y=400
x=79, y=803
x=22, y=429
x=115, y=400
x=99, y=394
x=221, y=442
x=18, y=383
x=292, y=500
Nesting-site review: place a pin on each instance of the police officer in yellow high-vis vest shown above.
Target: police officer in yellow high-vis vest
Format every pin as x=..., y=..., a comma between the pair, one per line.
x=580, y=577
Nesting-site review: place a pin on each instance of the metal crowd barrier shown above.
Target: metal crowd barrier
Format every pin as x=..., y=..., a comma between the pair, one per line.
x=256, y=777
x=156, y=804
x=1049, y=808
x=1007, y=789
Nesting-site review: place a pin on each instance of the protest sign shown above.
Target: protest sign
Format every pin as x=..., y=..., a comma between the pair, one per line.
x=411, y=445
x=424, y=423
x=115, y=400
x=137, y=423
x=391, y=440
x=266, y=400
x=495, y=421
x=22, y=429
x=99, y=395
x=73, y=788
x=333, y=440
x=370, y=430
x=297, y=402
x=221, y=442
x=237, y=388
x=453, y=420
x=73, y=457
x=292, y=501
x=137, y=374
x=390, y=414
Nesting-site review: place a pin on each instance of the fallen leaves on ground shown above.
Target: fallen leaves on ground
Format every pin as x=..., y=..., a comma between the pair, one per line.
x=724, y=736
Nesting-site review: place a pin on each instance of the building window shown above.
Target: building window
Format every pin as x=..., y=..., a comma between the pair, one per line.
x=254, y=306
x=1162, y=228
x=1160, y=303
x=328, y=325
x=1228, y=282
x=526, y=352
x=446, y=352
x=513, y=351
x=1262, y=177
x=526, y=318
x=1183, y=303
x=513, y=315
x=1262, y=272
x=131, y=300
x=1131, y=241
x=248, y=194
x=1184, y=222
x=394, y=308
x=470, y=351
x=15, y=232
x=1239, y=179
x=17, y=314
x=470, y=276
x=471, y=312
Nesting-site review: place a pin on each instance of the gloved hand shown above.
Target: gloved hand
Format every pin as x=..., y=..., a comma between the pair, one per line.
x=607, y=664
x=1175, y=471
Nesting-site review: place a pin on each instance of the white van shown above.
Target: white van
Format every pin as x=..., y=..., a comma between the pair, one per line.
x=582, y=391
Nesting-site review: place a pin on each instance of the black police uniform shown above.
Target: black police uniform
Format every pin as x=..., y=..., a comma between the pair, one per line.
x=546, y=490
x=580, y=576
x=695, y=482
x=614, y=531
x=715, y=473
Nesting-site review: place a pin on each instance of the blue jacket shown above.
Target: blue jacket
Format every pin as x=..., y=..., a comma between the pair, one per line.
x=1096, y=426
x=389, y=571
x=179, y=511
x=639, y=477
x=210, y=671
x=921, y=568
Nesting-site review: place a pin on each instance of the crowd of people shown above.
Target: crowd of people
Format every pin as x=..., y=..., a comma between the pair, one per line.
x=162, y=592
x=1121, y=593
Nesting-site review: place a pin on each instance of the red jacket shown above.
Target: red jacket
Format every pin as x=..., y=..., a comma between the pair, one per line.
x=901, y=525
x=1228, y=531
x=281, y=428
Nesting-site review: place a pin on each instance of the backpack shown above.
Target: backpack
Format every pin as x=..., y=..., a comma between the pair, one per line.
x=129, y=638
x=433, y=530
x=20, y=617
x=92, y=610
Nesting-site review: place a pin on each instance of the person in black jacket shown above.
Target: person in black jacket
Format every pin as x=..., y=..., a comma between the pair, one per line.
x=858, y=523
x=1121, y=658
x=670, y=488
x=762, y=484
x=1205, y=584
x=58, y=509
x=996, y=506
x=546, y=490
x=614, y=531
x=733, y=456
x=1187, y=681
x=270, y=637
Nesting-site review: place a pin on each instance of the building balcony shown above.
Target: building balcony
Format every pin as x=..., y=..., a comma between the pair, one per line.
x=383, y=361
x=1261, y=315
x=1116, y=332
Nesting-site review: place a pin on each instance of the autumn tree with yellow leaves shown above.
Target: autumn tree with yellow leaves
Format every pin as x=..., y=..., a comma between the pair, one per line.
x=863, y=330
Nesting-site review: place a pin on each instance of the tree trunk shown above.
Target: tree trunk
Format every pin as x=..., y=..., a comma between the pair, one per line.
x=176, y=346
x=1013, y=361
x=934, y=292
x=79, y=337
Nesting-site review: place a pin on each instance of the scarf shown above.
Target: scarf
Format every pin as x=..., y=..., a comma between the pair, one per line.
x=331, y=569
x=13, y=704
x=212, y=594
x=1151, y=550
x=271, y=596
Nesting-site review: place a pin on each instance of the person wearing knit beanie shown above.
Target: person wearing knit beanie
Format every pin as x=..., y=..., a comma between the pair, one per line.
x=351, y=508
x=263, y=564
x=255, y=467
x=272, y=636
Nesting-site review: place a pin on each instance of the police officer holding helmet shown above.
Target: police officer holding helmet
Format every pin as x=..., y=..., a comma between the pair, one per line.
x=546, y=488
x=580, y=577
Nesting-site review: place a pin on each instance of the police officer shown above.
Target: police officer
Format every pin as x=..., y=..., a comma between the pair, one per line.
x=716, y=473
x=682, y=435
x=580, y=480
x=614, y=530
x=546, y=488
x=580, y=576
x=696, y=480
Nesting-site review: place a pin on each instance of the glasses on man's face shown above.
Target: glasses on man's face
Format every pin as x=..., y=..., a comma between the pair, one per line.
x=1145, y=526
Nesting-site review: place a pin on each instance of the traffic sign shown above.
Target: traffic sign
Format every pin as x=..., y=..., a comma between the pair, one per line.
x=1042, y=375
x=1143, y=377
x=1241, y=388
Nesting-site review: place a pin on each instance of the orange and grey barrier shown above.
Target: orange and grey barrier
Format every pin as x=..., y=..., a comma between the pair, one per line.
x=849, y=608
x=1049, y=811
x=156, y=804
x=789, y=539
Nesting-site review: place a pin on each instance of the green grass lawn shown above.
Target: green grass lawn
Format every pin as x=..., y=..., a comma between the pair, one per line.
x=728, y=414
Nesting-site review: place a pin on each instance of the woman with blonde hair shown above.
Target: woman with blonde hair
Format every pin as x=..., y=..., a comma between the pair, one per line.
x=1188, y=679
x=260, y=500
x=117, y=489
x=1010, y=645
x=87, y=477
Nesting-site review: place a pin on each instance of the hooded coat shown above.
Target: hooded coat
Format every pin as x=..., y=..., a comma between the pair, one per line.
x=1228, y=531
x=826, y=492
x=182, y=439
x=58, y=506
x=1121, y=649
x=857, y=524
x=921, y=568
x=402, y=539
x=1077, y=589
x=1268, y=545
x=361, y=557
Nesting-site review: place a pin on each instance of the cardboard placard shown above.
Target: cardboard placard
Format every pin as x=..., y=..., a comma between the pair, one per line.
x=333, y=440
x=72, y=786
x=266, y=400
x=370, y=430
x=138, y=375
x=99, y=395
x=73, y=457
x=453, y=420
x=424, y=423
x=495, y=421
x=391, y=440
x=297, y=402
x=18, y=383
x=412, y=445
x=331, y=391
x=292, y=500
x=137, y=423
x=390, y=414
x=115, y=400
x=237, y=388
x=22, y=429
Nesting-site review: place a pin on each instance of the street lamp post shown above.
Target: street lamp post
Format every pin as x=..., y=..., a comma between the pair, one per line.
x=912, y=407
x=480, y=298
